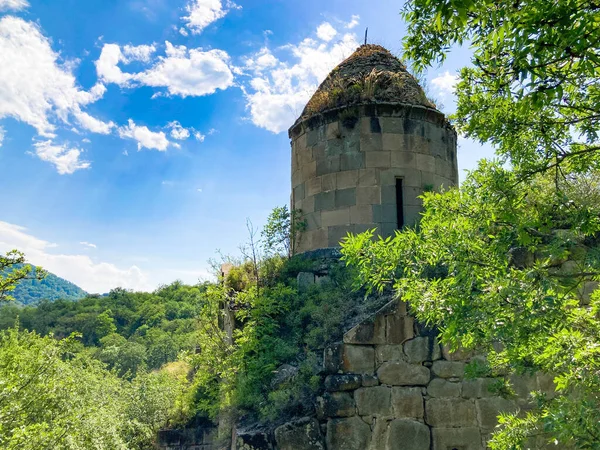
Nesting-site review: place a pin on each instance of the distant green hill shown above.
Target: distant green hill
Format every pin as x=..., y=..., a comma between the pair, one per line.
x=31, y=292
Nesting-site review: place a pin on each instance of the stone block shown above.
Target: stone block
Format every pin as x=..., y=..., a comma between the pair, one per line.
x=299, y=192
x=412, y=215
x=448, y=369
x=333, y=130
x=523, y=385
x=426, y=163
x=347, y=179
x=334, y=147
x=352, y=161
x=343, y=382
x=404, y=159
x=399, y=329
x=336, y=234
x=370, y=331
x=438, y=387
x=386, y=229
x=370, y=380
x=407, y=402
x=368, y=195
x=358, y=359
x=368, y=177
x=325, y=201
x=312, y=186
x=400, y=373
x=394, y=125
x=374, y=401
x=450, y=412
x=389, y=352
x=304, y=434
x=406, y=434
x=348, y=434
x=333, y=358
x=456, y=438
x=335, y=217
x=308, y=205
x=327, y=165
x=489, y=408
x=377, y=159
x=345, y=197
x=336, y=404
x=458, y=355
x=418, y=350
x=393, y=142
x=478, y=387
x=312, y=220
x=385, y=213
x=412, y=196
x=328, y=182
x=380, y=433
x=371, y=142
x=410, y=177
x=296, y=178
x=320, y=238
x=314, y=135
x=318, y=152
x=361, y=214
x=388, y=194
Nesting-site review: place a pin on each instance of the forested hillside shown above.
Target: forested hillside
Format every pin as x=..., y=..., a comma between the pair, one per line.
x=32, y=290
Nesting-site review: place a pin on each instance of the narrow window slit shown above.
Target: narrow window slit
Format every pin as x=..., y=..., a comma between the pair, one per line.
x=399, y=203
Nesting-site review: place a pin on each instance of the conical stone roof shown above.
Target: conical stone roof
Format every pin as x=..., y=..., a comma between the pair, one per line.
x=370, y=75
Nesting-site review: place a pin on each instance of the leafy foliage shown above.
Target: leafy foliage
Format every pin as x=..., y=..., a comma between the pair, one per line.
x=13, y=271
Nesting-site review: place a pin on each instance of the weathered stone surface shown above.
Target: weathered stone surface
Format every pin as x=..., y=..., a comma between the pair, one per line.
x=348, y=434
x=457, y=355
x=333, y=358
x=407, y=402
x=380, y=433
x=252, y=441
x=489, y=408
x=336, y=404
x=370, y=380
x=404, y=434
x=438, y=387
x=374, y=401
x=393, y=352
x=343, y=382
x=450, y=412
x=399, y=329
x=370, y=331
x=545, y=383
x=448, y=369
x=456, y=438
x=418, y=349
x=400, y=373
x=305, y=280
x=358, y=359
x=478, y=387
x=303, y=434
x=284, y=373
x=523, y=385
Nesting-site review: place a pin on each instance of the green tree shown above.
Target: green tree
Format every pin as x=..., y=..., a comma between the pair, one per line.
x=13, y=270
x=502, y=265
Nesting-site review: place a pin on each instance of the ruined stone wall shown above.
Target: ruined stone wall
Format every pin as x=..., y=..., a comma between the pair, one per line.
x=345, y=164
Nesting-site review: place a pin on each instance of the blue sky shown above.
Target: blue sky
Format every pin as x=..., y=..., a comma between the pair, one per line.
x=136, y=136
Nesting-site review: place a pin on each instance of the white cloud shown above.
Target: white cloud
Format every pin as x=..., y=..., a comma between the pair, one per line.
x=88, y=244
x=199, y=136
x=65, y=159
x=139, y=53
x=2, y=134
x=14, y=5
x=34, y=87
x=275, y=97
x=326, y=32
x=445, y=83
x=94, y=277
x=201, y=13
x=177, y=131
x=92, y=124
x=182, y=71
x=353, y=21
x=144, y=137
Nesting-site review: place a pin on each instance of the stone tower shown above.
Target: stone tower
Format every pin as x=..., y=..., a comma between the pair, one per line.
x=366, y=146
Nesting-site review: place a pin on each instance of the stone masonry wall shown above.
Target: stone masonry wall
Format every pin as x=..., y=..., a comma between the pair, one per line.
x=345, y=164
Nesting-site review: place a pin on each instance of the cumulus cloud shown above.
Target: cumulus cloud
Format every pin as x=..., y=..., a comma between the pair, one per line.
x=2, y=133
x=88, y=244
x=94, y=277
x=199, y=136
x=353, y=21
x=326, y=32
x=35, y=87
x=275, y=95
x=139, y=52
x=182, y=71
x=144, y=137
x=64, y=158
x=92, y=124
x=445, y=83
x=201, y=13
x=177, y=131
x=14, y=5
